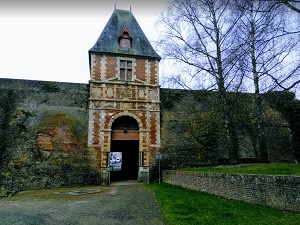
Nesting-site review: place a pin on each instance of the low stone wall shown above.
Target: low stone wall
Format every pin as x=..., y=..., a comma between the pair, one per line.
x=282, y=192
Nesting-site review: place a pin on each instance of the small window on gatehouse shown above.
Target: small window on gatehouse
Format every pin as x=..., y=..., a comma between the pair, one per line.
x=126, y=70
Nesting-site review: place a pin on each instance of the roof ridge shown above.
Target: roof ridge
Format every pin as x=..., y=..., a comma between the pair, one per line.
x=122, y=10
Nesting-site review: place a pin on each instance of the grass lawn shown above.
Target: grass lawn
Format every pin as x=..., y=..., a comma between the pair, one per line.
x=268, y=169
x=183, y=206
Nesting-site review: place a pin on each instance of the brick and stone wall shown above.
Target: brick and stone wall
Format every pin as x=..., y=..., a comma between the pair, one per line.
x=280, y=192
x=111, y=97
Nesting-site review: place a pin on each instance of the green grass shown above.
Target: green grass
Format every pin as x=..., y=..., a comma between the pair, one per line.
x=267, y=169
x=187, y=207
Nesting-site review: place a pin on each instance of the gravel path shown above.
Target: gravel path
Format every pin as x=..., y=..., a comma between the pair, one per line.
x=124, y=203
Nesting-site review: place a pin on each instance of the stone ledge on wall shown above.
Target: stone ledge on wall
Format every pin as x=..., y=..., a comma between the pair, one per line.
x=280, y=192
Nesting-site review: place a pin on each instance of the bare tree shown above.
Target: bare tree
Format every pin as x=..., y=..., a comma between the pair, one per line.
x=198, y=35
x=291, y=78
x=291, y=4
x=265, y=47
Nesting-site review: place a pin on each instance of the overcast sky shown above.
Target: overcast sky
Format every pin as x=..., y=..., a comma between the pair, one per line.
x=49, y=40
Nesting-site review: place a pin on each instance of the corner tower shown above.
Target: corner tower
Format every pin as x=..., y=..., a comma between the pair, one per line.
x=124, y=110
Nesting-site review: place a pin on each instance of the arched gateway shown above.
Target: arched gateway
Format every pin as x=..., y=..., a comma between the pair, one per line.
x=124, y=111
x=124, y=155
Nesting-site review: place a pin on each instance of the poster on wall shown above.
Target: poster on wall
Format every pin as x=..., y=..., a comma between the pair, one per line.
x=115, y=161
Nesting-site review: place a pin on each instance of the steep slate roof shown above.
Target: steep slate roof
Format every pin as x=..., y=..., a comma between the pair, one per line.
x=108, y=40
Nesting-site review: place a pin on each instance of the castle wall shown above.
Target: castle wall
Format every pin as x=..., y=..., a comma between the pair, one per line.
x=43, y=134
x=45, y=128
x=192, y=134
x=280, y=192
x=42, y=105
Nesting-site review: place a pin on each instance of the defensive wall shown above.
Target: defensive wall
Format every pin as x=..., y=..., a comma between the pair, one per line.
x=32, y=102
x=280, y=192
x=44, y=133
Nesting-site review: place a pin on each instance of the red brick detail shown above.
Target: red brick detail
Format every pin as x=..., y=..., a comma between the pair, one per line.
x=153, y=139
x=153, y=73
x=108, y=118
x=143, y=119
x=96, y=68
x=105, y=139
x=140, y=69
x=111, y=67
x=96, y=128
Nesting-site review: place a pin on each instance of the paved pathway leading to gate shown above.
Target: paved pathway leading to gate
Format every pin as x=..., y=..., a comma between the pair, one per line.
x=126, y=203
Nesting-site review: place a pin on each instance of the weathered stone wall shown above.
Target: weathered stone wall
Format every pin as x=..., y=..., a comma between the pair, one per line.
x=48, y=111
x=43, y=132
x=274, y=191
x=192, y=133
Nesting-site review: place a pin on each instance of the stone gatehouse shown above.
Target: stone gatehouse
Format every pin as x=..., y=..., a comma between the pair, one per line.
x=124, y=111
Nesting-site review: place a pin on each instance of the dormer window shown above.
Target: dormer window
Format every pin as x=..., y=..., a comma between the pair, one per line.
x=125, y=40
x=125, y=43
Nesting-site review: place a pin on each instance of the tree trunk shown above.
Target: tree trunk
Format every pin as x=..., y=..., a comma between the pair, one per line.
x=262, y=146
x=230, y=134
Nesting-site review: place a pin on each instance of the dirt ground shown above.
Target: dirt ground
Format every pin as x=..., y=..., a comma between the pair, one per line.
x=126, y=203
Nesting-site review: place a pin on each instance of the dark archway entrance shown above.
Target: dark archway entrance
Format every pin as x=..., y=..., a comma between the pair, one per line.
x=124, y=161
x=129, y=161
